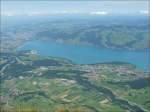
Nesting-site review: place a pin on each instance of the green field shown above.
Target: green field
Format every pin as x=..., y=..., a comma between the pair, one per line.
x=62, y=86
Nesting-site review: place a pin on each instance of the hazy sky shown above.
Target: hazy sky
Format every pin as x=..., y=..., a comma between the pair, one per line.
x=10, y=8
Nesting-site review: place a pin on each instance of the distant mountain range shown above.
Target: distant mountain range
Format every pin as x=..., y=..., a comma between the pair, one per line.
x=129, y=33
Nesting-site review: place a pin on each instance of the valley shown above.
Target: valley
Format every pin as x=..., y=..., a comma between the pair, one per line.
x=50, y=83
x=75, y=63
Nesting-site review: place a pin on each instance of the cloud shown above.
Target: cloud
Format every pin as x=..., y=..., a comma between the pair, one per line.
x=44, y=13
x=40, y=13
x=99, y=13
x=146, y=12
x=36, y=13
x=8, y=14
x=66, y=12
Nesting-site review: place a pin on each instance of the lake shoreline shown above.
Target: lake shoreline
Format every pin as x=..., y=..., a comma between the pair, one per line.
x=85, y=54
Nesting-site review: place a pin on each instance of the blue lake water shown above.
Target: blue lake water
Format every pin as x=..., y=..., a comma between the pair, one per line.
x=82, y=54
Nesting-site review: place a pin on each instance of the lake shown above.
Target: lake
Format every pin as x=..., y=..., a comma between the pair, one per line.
x=82, y=54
